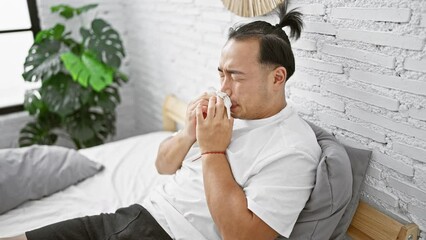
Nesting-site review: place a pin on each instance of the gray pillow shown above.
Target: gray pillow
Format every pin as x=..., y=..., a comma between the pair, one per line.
x=331, y=193
x=359, y=163
x=34, y=172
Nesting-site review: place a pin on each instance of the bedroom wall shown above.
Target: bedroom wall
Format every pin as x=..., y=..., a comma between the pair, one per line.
x=114, y=12
x=360, y=74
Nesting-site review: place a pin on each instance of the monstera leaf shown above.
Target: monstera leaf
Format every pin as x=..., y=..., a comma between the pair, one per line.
x=68, y=12
x=88, y=70
x=35, y=133
x=54, y=33
x=32, y=102
x=43, y=60
x=105, y=42
x=108, y=99
x=90, y=128
x=41, y=131
x=62, y=95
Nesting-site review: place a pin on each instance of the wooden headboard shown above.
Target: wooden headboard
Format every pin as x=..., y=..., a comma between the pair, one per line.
x=368, y=223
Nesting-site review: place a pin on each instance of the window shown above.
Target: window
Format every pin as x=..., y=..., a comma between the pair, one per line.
x=18, y=26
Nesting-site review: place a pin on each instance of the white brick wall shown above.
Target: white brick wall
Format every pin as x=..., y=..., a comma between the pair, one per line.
x=319, y=65
x=379, y=120
x=309, y=9
x=361, y=95
x=393, y=163
x=374, y=172
x=373, y=14
x=386, y=197
x=423, y=21
x=318, y=98
x=412, y=86
x=407, y=188
x=370, y=57
x=320, y=27
x=351, y=126
x=382, y=38
x=415, y=65
x=359, y=55
x=360, y=74
x=305, y=44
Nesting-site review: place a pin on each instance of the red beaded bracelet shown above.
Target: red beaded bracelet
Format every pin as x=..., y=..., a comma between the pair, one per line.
x=204, y=153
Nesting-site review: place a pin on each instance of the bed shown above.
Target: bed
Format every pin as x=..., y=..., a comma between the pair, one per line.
x=129, y=174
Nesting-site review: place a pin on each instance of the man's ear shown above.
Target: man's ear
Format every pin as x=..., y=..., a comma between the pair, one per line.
x=280, y=76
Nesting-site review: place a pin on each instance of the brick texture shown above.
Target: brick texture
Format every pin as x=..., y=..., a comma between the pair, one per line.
x=309, y=9
x=300, y=76
x=363, y=96
x=373, y=14
x=407, y=188
x=351, y=126
x=320, y=27
x=319, y=65
x=359, y=55
x=417, y=113
x=305, y=44
x=387, y=123
x=318, y=98
x=412, y=86
x=410, y=151
x=387, y=198
x=415, y=65
x=417, y=210
x=382, y=38
x=393, y=163
x=374, y=172
x=423, y=21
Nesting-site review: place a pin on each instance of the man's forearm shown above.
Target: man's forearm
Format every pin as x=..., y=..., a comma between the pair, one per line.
x=228, y=204
x=172, y=152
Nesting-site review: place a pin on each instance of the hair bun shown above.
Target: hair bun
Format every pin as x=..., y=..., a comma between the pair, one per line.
x=293, y=19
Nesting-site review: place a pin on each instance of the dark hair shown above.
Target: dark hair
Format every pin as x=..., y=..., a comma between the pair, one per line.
x=275, y=47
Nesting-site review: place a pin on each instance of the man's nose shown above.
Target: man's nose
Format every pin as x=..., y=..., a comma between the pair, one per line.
x=226, y=86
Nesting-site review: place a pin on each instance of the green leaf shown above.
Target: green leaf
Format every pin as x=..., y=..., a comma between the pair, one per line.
x=87, y=70
x=37, y=133
x=68, y=12
x=43, y=60
x=90, y=128
x=85, y=8
x=108, y=99
x=32, y=102
x=64, y=10
x=103, y=40
x=62, y=95
x=121, y=77
x=54, y=33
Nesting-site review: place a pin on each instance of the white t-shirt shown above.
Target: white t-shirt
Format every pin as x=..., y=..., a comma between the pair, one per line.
x=274, y=160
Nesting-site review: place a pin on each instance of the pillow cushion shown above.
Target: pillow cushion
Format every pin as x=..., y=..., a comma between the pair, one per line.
x=34, y=172
x=359, y=163
x=331, y=193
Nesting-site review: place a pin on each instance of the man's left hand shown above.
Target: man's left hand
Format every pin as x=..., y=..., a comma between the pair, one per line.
x=214, y=132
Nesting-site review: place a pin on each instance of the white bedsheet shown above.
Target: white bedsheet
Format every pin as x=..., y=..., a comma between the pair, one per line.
x=128, y=176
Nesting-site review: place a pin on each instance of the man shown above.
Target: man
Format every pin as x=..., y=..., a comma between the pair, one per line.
x=243, y=179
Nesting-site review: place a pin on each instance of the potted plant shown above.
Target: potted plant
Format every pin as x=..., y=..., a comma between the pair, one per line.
x=80, y=82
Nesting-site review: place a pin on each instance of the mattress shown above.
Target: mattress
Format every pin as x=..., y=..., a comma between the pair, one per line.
x=128, y=177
